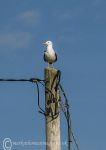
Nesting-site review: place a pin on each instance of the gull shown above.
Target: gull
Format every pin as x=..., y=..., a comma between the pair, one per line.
x=50, y=55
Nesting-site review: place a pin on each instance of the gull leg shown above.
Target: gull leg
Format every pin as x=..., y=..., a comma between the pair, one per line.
x=48, y=65
x=52, y=65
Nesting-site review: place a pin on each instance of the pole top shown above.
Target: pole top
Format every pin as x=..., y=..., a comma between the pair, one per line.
x=50, y=69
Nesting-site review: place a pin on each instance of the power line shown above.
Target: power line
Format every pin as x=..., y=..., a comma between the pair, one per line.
x=64, y=106
x=66, y=112
x=21, y=80
x=32, y=80
x=38, y=93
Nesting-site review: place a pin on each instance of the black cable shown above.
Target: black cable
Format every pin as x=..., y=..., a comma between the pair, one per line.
x=75, y=141
x=38, y=93
x=52, y=97
x=68, y=118
x=10, y=80
x=21, y=80
x=67, y=115
x=57, y=76
x=32, y=80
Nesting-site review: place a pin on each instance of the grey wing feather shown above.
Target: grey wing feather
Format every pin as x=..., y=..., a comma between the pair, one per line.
x=56, y=57
x=44, y=57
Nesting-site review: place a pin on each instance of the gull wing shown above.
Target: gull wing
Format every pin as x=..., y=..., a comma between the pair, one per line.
x=44, y=57
x=55, y=57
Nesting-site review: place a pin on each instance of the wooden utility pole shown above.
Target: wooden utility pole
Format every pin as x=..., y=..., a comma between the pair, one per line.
x=52, y=110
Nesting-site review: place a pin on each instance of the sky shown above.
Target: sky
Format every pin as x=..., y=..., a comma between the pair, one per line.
x=78, y=32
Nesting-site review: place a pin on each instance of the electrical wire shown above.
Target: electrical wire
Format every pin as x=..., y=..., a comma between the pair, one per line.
x=38, y=93
x=65, y=108
x=32, y=80
x=21, y=80
x=68, y=118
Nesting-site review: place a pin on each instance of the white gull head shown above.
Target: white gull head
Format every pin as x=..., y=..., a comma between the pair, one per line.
x=48, y=43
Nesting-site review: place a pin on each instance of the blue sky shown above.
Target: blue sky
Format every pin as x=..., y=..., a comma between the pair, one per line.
x=78, y=31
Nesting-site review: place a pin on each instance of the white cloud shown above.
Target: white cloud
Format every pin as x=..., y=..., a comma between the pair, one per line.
x=28, y=18
x=13, y=36
x=71, y=13
x=13, y=40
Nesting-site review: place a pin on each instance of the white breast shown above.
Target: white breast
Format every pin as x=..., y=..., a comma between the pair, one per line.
x=50, y=56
